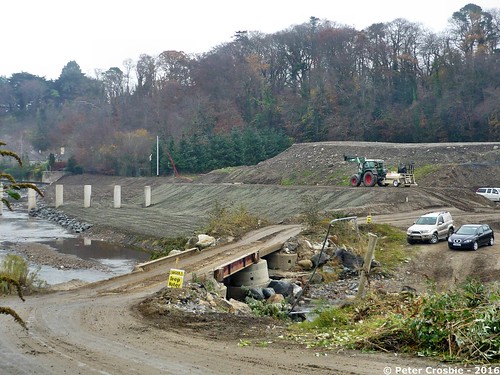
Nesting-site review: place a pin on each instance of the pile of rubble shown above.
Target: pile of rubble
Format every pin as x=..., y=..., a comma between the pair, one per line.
x=59, y=218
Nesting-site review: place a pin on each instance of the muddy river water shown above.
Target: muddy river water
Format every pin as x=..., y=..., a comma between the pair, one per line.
x=19, y=227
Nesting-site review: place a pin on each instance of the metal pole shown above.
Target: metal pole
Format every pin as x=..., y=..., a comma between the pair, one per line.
x=299, y=296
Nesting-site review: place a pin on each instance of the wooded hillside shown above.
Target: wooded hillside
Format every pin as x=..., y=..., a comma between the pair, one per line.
x=249, y=99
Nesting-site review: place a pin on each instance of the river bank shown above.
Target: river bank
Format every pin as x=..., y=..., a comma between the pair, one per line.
x=59, y=254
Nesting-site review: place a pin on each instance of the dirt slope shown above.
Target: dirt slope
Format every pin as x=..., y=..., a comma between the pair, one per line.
x=459, y=164
x=180, y=207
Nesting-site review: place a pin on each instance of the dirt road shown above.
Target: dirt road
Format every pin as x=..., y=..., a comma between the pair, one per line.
x=94, y=330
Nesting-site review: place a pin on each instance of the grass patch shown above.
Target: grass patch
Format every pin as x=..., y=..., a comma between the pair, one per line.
x=228, y=219
x=14, y=267
x=391, y=249
x=425, y=170
x=288, y=181
x=164, y=246
x=226, y=170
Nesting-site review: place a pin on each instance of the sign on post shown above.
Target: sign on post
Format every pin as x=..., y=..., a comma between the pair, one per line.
x=175, y=278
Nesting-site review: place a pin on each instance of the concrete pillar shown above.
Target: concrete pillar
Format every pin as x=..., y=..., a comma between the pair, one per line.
x=147, y=196
x=117, y=200
x=87, y=191
x=31, y=199
x=59, y=195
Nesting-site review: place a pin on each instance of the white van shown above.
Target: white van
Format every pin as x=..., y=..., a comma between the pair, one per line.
x=492, y=194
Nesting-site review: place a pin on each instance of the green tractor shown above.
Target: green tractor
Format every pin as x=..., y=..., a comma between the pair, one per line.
x=370, y=171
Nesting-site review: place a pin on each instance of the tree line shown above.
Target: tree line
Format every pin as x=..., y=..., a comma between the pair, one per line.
x=246, y=100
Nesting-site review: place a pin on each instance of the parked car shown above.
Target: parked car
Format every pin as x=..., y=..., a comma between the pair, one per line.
x=431, y=228
x=492, y=194
x=471, y=236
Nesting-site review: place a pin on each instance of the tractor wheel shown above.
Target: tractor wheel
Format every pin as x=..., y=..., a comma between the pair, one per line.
x=355, y=180
x=369, y=179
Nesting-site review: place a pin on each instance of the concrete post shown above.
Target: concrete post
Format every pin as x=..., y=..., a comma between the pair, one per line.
x=117, y=201
x=31, y=199
x=147, y=196
x=87, y=191
x=1, y=196
x=372, y=242
x=59, y=195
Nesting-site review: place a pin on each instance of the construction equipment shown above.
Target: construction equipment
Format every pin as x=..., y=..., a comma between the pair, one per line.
x=373, y=171
x=405, y=176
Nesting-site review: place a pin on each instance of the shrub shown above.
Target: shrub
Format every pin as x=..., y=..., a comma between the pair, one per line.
x=230, y=220
x=461, y=325
x=16, y=268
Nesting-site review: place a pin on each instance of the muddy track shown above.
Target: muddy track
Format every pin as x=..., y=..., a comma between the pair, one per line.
x=94, y=329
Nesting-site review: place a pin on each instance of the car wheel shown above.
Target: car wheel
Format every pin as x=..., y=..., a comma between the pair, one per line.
x=475, y=246
x=434, y=238
x=491, y=241
x=411, y=242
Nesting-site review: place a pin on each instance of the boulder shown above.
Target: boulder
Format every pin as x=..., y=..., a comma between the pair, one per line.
x=255, y=293
x=305, y=264
x=282, y=287
x=276, y=299
x=320, y=258
x=204, y=241
x=239, y=308
x=268, y=292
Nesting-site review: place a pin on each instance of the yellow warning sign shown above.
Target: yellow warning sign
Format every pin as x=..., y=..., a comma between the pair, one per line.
x=368, y=219
x=175, y=278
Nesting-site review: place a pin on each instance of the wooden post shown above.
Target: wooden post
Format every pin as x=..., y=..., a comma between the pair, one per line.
x=372, y=242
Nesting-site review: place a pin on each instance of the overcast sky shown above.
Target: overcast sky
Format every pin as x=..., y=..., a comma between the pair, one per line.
x=41, y=36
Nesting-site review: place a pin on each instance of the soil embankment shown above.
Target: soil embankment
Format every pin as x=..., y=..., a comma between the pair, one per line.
x=178, y=207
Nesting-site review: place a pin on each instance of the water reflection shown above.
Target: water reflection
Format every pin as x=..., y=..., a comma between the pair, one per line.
x=85, y=248
x=18, y=226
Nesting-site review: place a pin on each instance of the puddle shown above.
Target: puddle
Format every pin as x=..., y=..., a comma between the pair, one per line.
x=101, y=251
x=18, y=226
